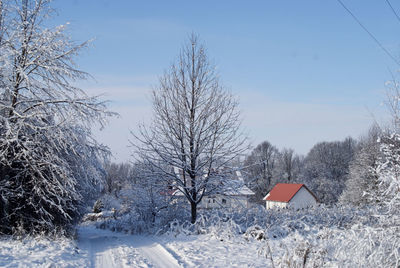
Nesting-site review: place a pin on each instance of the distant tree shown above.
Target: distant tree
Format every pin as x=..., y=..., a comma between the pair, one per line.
x=289, y=166
x=49, y=161
x=150, y=193
x=326, y=168
x=363, y=178
x=260, y=168
x=117, y=175
x=195, y=128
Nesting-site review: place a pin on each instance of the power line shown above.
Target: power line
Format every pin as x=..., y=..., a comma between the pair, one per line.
x=394, y=11
x=369, y=33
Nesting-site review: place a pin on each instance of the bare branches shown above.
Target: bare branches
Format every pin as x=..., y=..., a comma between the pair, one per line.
x=196, y=125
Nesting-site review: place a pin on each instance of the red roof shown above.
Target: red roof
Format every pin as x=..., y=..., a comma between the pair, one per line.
x=283, y=192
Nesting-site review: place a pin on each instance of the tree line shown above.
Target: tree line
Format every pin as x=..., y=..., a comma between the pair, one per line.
x=339, y=170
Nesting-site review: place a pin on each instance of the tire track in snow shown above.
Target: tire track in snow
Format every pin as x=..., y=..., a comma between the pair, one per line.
x=108, y=249
x=159, y=256
x=100, y=247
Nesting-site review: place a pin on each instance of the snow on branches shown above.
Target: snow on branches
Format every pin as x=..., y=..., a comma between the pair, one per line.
x=196, y=126
x=389, y=171
x=48, y=157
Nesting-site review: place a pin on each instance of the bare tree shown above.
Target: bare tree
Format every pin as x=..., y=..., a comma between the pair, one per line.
x=287, y=162
x=260, y=168
x=196, y=126
x=48, y=158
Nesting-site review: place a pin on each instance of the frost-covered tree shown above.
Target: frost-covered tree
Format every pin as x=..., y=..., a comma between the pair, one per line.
x=393, y=102
x=326, y=168
x=260, y=168
x=117, y=175
x=196, y=126
x=289, y=166
x=49, y=161
x=388, y=171
x=151, y=194
x=266, y=166
x=363, y=178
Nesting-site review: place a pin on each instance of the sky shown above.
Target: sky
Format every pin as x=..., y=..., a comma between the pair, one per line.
x=303, y=71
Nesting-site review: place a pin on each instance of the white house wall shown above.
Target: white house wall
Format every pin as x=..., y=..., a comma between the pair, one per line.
x=223, y=201
x=239, y=201
x=275, y=204
x=210, y=202
x=302, y=199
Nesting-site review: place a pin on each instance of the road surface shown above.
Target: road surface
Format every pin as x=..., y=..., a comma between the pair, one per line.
x=111, y=249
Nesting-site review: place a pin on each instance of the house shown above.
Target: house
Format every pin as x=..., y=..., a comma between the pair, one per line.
x=290, y=195
x=233, y=194
x=230, y=192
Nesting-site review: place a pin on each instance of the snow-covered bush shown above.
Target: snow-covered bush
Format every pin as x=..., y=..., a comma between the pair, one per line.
x=255, y=232
x=41, y=251
x=362, y=246
x=98, y=206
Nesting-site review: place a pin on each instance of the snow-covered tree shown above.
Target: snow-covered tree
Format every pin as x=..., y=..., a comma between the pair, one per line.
x=196, y=126
x=393, y=101
x=388, y=168
x=388, y=171
x=150, y=193
x=289, y=166
x=363, y=178
x=326, y=168
x=117, y=175
x=49, y=161
x=260, y=168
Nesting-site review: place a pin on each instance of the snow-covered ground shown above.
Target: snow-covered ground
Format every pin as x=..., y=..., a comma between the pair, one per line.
x=209, y=251
x=41, y=252
x=104, y=248
x=217, y=246
x=111, y=249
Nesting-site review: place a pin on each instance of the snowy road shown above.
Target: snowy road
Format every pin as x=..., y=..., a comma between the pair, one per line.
x=110, y=249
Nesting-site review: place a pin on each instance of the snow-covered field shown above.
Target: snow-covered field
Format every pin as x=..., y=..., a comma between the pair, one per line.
x=320, y=238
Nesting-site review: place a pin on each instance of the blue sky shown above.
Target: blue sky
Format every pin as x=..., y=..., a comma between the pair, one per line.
x=304, y=71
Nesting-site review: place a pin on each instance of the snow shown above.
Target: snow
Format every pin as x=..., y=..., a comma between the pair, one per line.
x=34, y=252
x=104, y=248
x=93, y=248
x=210, y=251
x=328, y=237
x=111, y=249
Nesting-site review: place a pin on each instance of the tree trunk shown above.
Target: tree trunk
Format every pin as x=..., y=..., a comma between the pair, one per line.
x=193, y=207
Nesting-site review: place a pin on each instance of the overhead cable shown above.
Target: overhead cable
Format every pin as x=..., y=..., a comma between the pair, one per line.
x=369, y=33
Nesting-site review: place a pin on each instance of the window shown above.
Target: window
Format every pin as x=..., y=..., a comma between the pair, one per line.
x=223, y=201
